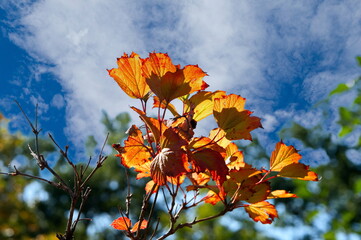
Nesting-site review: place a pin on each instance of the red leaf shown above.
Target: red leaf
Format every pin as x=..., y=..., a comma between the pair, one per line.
x=122, y=223
x=208, y=159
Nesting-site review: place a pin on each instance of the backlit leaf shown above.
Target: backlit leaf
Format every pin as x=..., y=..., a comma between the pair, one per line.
x=203, y=103
x=176, y=84
x=134, y=153
x=122, y=223
x=231, y=116
x=129, y=76
x=298, y=171
x=281, y=194
x=208, y=159
x=282, y=156
x=158, y=64
x=263, y=212
x=142, y=226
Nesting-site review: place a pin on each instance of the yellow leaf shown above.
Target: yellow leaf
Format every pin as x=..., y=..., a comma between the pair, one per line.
x=281, y=194
x=202, y=103
x=282, y=156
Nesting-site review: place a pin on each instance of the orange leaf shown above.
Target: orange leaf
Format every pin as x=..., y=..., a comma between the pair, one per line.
x=169, y=106
x=208, y=159
x=154, y=124
x=204, y=142
x=262, y=211
x=129, y=76
x=231, y=116
x=142, y=226
x=134, y=153
x=281, y=194
x=158, y=64
x=149, y=186
x=298, y=171
x=122, y=223
x=176, y=84
x=202, y=102
x=282, y=156
x=235, y=159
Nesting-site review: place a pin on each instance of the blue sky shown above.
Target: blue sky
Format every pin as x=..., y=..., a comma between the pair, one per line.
x=283, y=56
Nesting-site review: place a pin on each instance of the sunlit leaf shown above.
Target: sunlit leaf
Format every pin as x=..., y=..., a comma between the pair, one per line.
x=281, y=194
x=202, y=103
x=134, y=153
x=231, y=116
x=298, y=171
x=282, y=156
x=208, y=159
x=263, y=212
x=219, y=136
x=158, y=64
x=142, y=226
x=129, y=76
x=163, y=105
x=155, y=126
x=122, y=223
x=176, y=84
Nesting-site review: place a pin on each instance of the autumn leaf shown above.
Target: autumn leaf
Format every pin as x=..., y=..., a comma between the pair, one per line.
x=282, y=156
x=263, y=212
x=129, y=76
x=299, y=171
x=122, y=223
x=134, y=153
x=158, y=64
x=219, y=136
x=168, y=163
x=285, y=160
x=281, y=194
x=164, y=105
x=156, y=126
x=142, y=226
x=231, y=117
x=176, y=84
x=211, y=160
x=202, y=102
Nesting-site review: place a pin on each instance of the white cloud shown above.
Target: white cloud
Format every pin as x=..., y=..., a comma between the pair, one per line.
x=267, y=52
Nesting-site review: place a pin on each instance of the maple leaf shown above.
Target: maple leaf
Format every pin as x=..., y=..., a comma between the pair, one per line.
x=129, y=76
x=263, y=212
x=202, y=103
x=285, y=160
x=122, y=223
x=231, y=117
x=176, y=84
x=134, y=153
